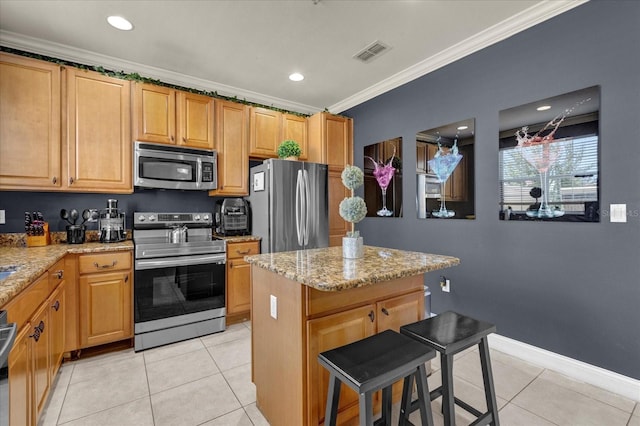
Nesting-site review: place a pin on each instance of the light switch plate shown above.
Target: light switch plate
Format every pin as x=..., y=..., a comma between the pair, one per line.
x=618, y=213
x=258, y=181
x=3, y=218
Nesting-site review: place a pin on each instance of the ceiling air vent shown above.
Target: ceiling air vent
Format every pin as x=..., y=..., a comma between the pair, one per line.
x=372, y=51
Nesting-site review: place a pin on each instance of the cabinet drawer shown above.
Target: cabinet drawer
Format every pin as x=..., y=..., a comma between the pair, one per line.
x=240, y=250
x=20, y=309
x=104, y=262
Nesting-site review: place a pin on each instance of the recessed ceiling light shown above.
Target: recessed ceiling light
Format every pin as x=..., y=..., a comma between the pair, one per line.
x=120, y=23
x=463, y=127
x=296, y=76
x=543, y=108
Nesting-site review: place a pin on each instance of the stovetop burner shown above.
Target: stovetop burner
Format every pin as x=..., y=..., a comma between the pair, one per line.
x=152, y=235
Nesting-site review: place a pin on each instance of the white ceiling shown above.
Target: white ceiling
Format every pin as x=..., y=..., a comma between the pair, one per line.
x=248, y=48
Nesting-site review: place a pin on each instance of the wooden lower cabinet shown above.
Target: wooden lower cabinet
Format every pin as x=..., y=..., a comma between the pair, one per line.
x=20, y=367
x=37, y=353
x=105, y=308
x=291, y=386
x=239, y=276
x=324, y=334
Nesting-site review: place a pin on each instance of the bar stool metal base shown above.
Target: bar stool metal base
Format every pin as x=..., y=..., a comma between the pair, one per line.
x=375, y=363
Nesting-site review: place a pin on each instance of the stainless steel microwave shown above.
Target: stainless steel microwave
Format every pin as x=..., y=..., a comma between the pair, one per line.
x=173, y=167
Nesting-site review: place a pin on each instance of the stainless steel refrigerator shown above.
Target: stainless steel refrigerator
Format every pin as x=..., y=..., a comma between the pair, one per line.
x=289, y=205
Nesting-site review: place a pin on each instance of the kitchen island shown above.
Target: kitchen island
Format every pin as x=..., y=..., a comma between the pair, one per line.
x=309, y=301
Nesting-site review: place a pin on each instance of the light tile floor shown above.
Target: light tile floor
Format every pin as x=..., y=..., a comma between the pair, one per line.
x=207, y=381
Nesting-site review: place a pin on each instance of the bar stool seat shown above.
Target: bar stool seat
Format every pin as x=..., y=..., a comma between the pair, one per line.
x=450, y=333
x=375, y=363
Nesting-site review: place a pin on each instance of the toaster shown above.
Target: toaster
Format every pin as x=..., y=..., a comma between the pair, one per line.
x=232, y=217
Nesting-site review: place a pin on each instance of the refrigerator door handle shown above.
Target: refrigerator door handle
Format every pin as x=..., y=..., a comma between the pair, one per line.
x=307, y=203
x=299, y=190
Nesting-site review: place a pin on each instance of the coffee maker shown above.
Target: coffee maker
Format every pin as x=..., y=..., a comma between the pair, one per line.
x=111, y=223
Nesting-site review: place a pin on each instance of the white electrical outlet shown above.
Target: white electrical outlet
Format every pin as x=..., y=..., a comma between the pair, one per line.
x=618, y=213
x=3, y=218
x=274, y=307
x=447, y=286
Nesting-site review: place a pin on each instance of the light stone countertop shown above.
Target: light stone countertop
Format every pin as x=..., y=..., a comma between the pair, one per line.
x=31, y=262
x=325, y=269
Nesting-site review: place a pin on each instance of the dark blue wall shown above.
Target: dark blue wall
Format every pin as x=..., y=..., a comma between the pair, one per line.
x=571, y=288
x=50, y=204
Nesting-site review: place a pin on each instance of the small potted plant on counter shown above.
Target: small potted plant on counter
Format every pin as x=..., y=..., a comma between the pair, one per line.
x=352, y=209
x=289, y=150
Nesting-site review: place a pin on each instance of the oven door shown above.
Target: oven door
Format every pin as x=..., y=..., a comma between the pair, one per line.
x=176, y=286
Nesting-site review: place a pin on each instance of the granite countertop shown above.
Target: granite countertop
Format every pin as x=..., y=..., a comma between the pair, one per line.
x=325, y=269
x=31, y=262
x=237, y=238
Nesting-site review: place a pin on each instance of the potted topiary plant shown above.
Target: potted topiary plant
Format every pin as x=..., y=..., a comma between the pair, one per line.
x=289, y=150
x=352, y=209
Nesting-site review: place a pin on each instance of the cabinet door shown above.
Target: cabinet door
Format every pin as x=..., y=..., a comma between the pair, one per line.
x=29, y=124
x=324, y=334
x=195, y=120
x=238, y=286
x=154, y=109
x=57, y=306
x=20, y=399
x=232, y=121
x=294, y=128
x=339, y=141
x=105, y=308
x=421, y=157
x=40, y=350
x=98, y=133
x=264, y=136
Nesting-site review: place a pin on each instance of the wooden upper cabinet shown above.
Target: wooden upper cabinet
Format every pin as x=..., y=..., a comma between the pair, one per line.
x=265, y=132
x=98, y=133
x=195, y=120
x=421, y=157
x=30, y=98
x=330, y=140
x=294, y=127
x=232, y=127
x=164, y=115
x=154, y=108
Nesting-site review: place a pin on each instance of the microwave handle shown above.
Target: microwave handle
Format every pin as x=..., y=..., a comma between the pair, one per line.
x=198, y=172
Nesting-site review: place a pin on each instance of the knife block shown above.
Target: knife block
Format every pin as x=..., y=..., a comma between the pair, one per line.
x=40, y=240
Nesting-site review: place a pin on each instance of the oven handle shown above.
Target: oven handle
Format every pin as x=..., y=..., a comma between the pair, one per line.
x=171, y=262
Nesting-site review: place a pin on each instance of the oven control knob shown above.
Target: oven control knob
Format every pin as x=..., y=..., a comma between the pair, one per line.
x=205, y=217
x=197, y=217
x=152, y=218
x=141, y=218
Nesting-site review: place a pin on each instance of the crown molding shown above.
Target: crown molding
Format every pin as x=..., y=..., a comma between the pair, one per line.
x=85, y=57
x=498, y=32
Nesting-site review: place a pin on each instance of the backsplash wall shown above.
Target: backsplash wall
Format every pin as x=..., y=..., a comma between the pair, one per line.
x=15, y=203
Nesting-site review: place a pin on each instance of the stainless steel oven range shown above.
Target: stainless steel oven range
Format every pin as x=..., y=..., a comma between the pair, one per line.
x=179, y=286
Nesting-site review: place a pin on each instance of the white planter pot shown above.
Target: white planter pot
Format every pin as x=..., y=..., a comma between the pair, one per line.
x=352, y=248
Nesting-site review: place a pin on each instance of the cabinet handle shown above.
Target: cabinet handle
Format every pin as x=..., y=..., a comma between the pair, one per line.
x=384, y=311
x=243, y=251
x=126, y=278
x=70, y=181
x=184, y=139
x=105, y=266
x=41, y=326
x=54, y=180
x=56, y=305
x=172, y=139
x=58, y=274
x=230, y=264
x=36, y=334
x=372, y=316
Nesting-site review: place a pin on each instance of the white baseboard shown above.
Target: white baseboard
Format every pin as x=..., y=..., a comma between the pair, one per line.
x=578, y=370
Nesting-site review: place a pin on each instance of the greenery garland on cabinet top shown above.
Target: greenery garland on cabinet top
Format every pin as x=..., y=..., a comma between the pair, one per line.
x=138, y=78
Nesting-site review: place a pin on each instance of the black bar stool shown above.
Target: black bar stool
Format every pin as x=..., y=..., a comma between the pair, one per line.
x=450, y=333
x=375, y=363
